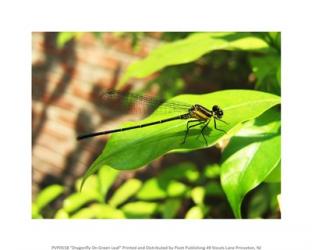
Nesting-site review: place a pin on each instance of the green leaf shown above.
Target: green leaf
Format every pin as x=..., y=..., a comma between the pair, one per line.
x=139, y=209
x=107, y=176
x=190, y=49
x=274, y=191
x=47, y=195
x=198, y=195
x=275, y=175
x=135, y=148
x=212, y=171
x=185, y=170
x=165, y=185
x=92, y=185
x=214, y=189
x=64, y=37
x=160, y=188
x=276, y=39
x=170, y=208
x=176, y=189
x=124, y=192
x=263, y=201
x=250, y=157
x=279, y=201
x=152, y=189
x=258, y=204
x=90, y=192
x=267, y=70
x=196, y=212
x=99, y=211
x=278, y=75
x=35, y=213
x=61, y=214
x=77, y=200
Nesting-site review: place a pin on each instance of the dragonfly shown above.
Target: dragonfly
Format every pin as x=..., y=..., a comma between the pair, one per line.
x=196, y=115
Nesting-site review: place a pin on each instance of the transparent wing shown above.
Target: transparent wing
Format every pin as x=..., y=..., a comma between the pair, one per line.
x=142, y=102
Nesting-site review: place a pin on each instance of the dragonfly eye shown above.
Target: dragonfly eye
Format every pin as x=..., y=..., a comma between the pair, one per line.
x=215, y=108
x=220, y=113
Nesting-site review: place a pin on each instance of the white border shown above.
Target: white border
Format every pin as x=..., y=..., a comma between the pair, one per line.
x=19, y=19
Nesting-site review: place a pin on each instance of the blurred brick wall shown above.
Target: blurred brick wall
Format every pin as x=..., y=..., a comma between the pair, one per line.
x=66, y=83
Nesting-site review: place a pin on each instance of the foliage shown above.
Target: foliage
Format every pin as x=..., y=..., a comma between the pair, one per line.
x=238, y=106
x=250, y=157
x=64, y=37
x=45, y=197
x=163, y=196
x=190, y=49
x=248, y=174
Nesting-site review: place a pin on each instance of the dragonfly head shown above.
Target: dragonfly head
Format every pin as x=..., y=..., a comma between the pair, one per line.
x=217, y=111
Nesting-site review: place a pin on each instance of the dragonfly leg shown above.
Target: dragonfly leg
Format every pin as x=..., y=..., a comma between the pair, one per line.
x=215, y=126
x=188, y=127
x=202, y=131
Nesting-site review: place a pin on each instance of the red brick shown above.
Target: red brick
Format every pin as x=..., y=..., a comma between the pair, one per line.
x=55, y=160
x=69, y=121
x=61, y=119
x=124, y=45
x=105, y=83
x=87, y=39
x=80, y=92
x=36, y=175
x=55, y=76
x=88, y=74
x=37, y=41
x=69, y=68
x=37, y=108
x=45, y=98
x=51, y=143
x=59, y=134
x=109, y=63
x=93, y=67
x=156, y=35
x=91, y=57
x=65, y=104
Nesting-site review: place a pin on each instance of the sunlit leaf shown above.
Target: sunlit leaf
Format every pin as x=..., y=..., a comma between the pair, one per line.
x=196, y=212
x=107, y=176
x=176, y=189
x=90, y=192
x=61, y=214
x=133, y=149
x=212, y=171
x=158, y=188
x=279, y=200
x=35, y=213
x=250, y=157
x=152, y=189
x=139, y=209
x=190, y=49
x=47, y=195
x=124, y=192
x=185, y=170
x=198, y=195
x=77, y=200
x=98, y=211
x=275, y=175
